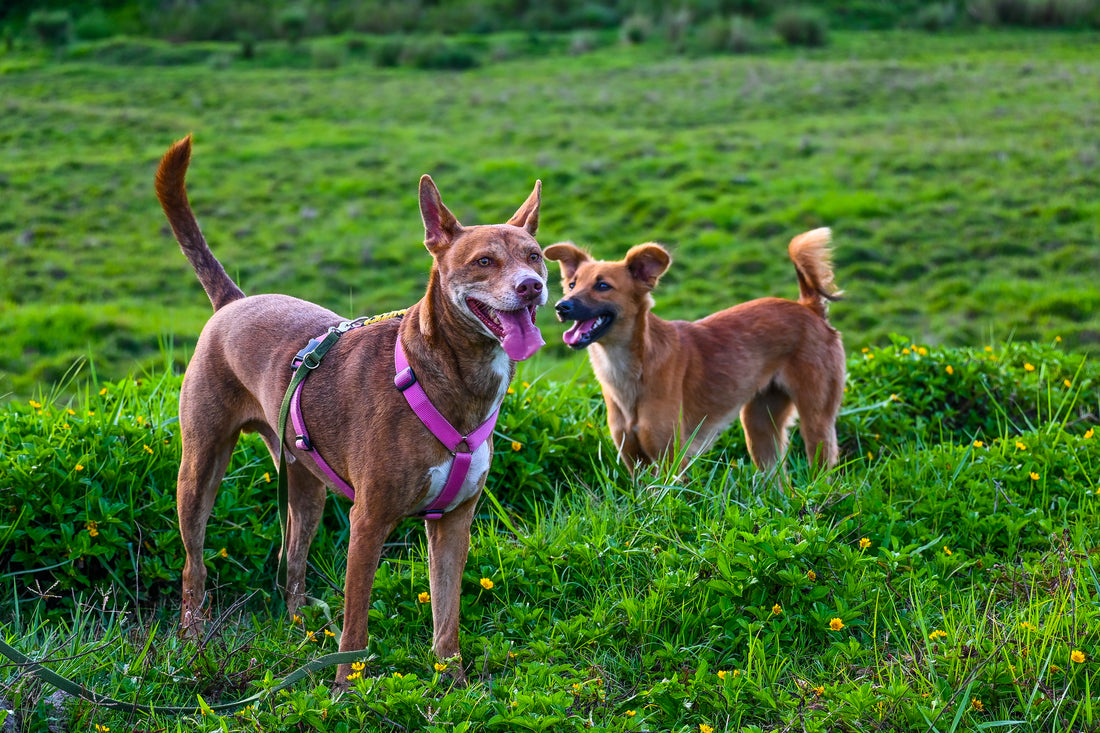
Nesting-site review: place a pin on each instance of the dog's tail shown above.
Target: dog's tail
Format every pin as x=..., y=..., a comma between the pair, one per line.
x=172, y=195
x=810, y=254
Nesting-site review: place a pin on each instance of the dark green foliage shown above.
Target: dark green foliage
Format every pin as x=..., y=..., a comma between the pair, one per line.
x=936, y=16
x=54, y=28
x=802, y=25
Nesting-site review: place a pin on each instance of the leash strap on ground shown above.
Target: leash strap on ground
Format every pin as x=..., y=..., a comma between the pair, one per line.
x=77, y=690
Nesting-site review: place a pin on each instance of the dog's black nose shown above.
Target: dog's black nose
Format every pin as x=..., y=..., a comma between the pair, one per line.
x=564, y=308
x=529, y=289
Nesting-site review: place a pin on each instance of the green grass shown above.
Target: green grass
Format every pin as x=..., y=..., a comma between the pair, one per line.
x=955, y=543
x=957, y=171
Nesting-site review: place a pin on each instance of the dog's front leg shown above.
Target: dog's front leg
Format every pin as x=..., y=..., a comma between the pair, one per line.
x=369, y=529
x=448, y=547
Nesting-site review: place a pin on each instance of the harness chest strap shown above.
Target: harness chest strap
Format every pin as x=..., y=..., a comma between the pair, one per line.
x=461, y=446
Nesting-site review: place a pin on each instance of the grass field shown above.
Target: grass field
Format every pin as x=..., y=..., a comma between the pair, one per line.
x=943, y=578
x=958, y=173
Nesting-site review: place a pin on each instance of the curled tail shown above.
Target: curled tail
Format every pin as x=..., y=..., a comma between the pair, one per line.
x=810, y=254
x=172, y=195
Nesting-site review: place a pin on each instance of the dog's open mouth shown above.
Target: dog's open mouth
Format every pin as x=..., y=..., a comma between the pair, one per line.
x=519, y=336
x=583, y=333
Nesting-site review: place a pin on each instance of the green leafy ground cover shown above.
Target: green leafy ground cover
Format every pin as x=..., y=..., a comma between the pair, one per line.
x=958, y=173
x=955, y=547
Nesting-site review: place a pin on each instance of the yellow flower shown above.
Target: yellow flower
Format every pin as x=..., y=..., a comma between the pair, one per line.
x=295, y=619
x=979, y=444
x=71, y=411
x=704, y=728
x=525, y=384
x=1020, y=446
x=905, y=352
x=358, y=666
x=870, y=356
x=329, y=632
x=511, y=391
x=516, y=445
x=1026, y=626
x=35, y=405
x=486, y=584
x=989, y=348
x=922, y=351
x=1029, y=367
x=1058, y=339
x=65, y=426
x=354, y=676
x=777, y=609
x=222, y=553
x=1067, y=383
x=950, y=369
x=101, y=728
x=819, y=690
x=836, y=624
x=102, y=391
x=630, y=713
x=977, y=704
x=1077, y=656
x=864, y=543
x=267, y=477
x=1088, y=433
x=140, y=420
x=93, y=528
x=947, y=550
x=1034, y=476
x=937, y=635
x=811, y=575
x=440, y=666
x=148, y=449
x=424, y=597
x=78, y=467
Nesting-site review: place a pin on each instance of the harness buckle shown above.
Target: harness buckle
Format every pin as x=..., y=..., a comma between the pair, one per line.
x=404, y=379
x=302, y=442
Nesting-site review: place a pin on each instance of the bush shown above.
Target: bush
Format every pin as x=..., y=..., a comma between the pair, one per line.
x=935, y=17
x=802, y=26
x=94, y=25
x=636, y=29
x=53, y=27
x=293, y=22
x=738, y=34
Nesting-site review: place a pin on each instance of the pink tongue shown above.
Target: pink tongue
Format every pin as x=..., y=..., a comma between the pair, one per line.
x=580, y=328
x=521, y=336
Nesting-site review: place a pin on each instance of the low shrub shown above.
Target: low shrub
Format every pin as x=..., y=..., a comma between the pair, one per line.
x=936, y=17
x=94, y=25
x=635, y=29
x=53, y=28
x=802, y=26
x=736, y=34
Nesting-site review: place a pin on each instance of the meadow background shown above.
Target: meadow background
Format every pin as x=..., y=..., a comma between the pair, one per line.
x=953, y=150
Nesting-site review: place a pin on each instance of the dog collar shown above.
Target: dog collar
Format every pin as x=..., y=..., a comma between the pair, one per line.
x=461, y=446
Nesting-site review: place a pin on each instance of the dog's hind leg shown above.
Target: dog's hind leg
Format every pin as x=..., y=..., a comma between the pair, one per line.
x=306, y=505
x=764, y=419
x=206, y=455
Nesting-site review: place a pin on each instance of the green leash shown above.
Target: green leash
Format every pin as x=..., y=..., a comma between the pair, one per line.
x=77, y=690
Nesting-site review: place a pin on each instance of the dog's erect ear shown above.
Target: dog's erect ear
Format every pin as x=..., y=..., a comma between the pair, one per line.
x=527, y=217
x=568, y=255
x=647, y=262
x=440, y=225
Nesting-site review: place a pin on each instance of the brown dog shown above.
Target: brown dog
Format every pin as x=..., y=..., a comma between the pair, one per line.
x=665, y=380
x=462, y=340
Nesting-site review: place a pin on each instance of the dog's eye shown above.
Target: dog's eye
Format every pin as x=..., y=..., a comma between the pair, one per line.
x=485, y=261
x=602, y=285
x=572, y=284
x=535, y=257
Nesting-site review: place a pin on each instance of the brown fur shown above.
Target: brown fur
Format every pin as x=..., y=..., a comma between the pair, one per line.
x=662, y=380
x=357, y=418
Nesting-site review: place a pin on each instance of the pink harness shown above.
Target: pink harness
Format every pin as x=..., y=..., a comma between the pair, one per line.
x=462, y=447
